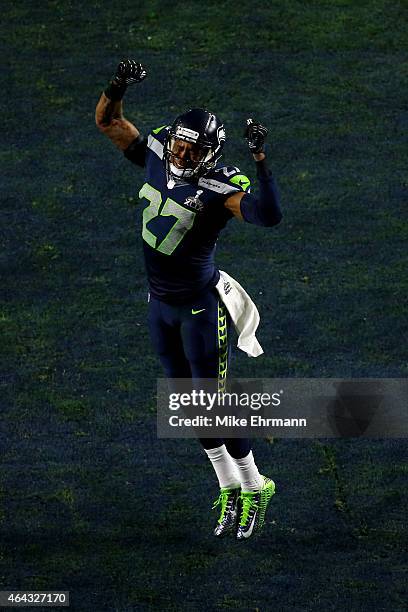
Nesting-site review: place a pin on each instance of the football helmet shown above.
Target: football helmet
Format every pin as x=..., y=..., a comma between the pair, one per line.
x=193, y=144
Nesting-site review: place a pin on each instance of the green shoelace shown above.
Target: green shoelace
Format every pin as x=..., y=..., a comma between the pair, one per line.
x=248, y=504
x=222, y=500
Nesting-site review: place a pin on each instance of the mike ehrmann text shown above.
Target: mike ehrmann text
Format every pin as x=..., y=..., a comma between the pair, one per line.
x=256, y=420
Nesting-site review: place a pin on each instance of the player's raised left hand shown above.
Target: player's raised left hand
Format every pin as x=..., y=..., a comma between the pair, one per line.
x=255, y=134
x=129, y=72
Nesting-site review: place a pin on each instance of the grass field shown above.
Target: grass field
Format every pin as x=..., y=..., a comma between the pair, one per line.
x=90, y=500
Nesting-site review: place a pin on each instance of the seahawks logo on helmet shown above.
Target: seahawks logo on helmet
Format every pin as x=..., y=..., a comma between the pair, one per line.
x=221, y=134
x=205, y=135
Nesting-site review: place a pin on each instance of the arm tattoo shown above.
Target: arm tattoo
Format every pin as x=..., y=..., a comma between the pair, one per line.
x=111, y=111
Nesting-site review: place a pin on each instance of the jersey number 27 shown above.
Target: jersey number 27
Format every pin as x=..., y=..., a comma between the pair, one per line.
x=184, y=219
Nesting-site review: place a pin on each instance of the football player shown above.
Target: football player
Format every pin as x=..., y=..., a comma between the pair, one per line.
x=188, y=197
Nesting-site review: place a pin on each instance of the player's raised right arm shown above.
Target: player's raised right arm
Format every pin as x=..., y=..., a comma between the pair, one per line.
x=109, y=110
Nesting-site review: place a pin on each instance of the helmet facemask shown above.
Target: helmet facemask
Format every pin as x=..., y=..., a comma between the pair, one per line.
x=193, y=145
x=187, y=160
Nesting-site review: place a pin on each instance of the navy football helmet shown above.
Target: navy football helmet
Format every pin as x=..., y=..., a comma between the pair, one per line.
x=193, y=144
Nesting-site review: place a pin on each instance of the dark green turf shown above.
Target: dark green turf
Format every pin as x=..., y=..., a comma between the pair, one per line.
x=90, y=501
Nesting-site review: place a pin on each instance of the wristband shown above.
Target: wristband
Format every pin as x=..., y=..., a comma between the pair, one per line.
x=115, y=91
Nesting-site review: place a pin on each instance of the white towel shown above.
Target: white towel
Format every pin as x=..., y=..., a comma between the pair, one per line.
x=243, y=312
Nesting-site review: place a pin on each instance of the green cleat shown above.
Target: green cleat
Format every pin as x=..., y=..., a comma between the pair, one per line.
x=228, y=500
x=253, y=508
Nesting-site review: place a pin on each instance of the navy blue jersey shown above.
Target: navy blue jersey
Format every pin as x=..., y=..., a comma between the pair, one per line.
x=181, y=224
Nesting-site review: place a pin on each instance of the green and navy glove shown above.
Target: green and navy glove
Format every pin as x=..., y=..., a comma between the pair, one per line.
x=127, y=73
x=255, y=134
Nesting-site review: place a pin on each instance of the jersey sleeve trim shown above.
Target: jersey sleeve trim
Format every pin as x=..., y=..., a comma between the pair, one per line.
x=242, y=181
x=159, y=129
x=217, y=186
x=155, y=145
